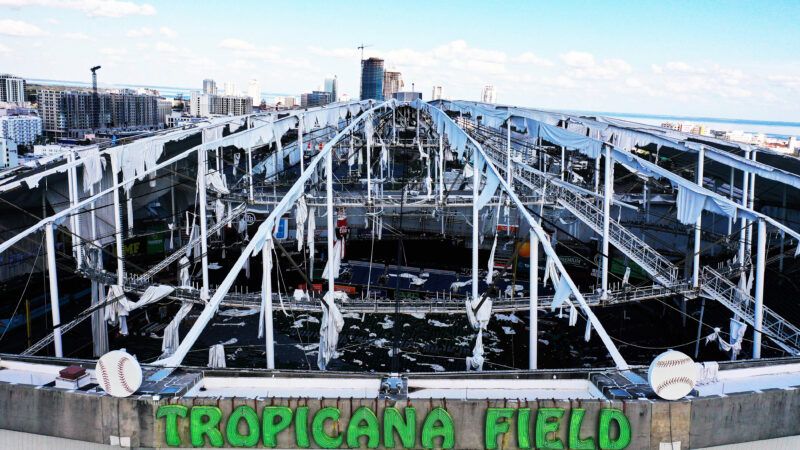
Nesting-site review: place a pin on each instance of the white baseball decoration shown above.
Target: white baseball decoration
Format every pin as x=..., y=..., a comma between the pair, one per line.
x=672, y=375
x=118, y=373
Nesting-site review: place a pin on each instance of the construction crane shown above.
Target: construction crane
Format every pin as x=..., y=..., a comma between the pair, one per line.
x=362, y=47
x=95, y=99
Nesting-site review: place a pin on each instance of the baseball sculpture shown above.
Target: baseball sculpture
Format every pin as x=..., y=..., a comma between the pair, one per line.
x=672, y=375
x=118, y=373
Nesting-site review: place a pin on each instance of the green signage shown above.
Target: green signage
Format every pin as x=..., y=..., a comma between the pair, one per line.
x=397, y=428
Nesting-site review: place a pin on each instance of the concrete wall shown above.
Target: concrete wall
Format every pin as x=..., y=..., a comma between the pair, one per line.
x=699, y=422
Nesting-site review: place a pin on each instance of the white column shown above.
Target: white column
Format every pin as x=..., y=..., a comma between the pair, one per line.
x=369, y=164
x=250, y=172
x=202, y=166
x=730, y=195
x=118, y=223
x=300, y=143
x=441, y=169
x=476, y=183
x=533, y=340
x=750, y=203
x=608, y=192
x=761, y=263
x=418, y=140
x=563, y=162
x=508, y=150
x=394, y=126
x=329, y=206
x=597, y=175
x=266, y=265
x=51, y=271
x=743, y=221
x=698, y=226
x=72, y=186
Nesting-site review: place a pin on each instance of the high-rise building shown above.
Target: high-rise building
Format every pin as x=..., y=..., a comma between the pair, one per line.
x=209, y=86
x=67, y=113
x=12, y=89
x=314, y=99
x=21, y=129
x=8, y=153
x=372, y=79
x=437, y=93
x=254, y=91
x=331, y=86
x=205, y=105
x=489, y=95
x=229, y=87
x=392, y=83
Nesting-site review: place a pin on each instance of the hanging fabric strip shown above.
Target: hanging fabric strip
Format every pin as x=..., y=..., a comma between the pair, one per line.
x=563, y=292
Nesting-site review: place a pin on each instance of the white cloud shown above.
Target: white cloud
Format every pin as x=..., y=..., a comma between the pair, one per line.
x=531, y=58
x=52, y=21
x=168, y=32
x=139, y=32
x=682, y=67
x=19, y=28
x=235, y=44
x=584, y=66
x=164, y=47
x=76, y=36
x=92, y=8
x=4, y=49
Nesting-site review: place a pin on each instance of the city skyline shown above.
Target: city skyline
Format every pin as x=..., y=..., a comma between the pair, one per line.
x=700, y=61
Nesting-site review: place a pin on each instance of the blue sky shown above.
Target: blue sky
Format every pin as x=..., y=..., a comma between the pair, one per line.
x=731, y=59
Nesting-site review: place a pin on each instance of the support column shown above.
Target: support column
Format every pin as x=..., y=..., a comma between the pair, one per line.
x=743, y=221
x=53, y=276
x=608, y=192
x=751, y=199
x=394, y=126
x=300, y=143
x=266, y=264
x=329, y=208
x=758, y=312
x=74, y=198
x=202, y=166
x=441, y=169
x=698, y=235
x=118, y=223
x=563, y=162
x=783, y=234
x=476, y=183
x=730, y=196
x=250, y=195
x=533, y=339
x=369, y=162
x=597, y=175
x=508, y=151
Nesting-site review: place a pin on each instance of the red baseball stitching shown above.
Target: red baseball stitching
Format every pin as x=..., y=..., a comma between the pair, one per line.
x=673, y=363
x=672, y=381
x=121, y=374
x=106, y=383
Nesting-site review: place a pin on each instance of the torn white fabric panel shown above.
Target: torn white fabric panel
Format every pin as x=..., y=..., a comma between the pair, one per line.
x=219, y=213
x=183, y=271
x=627, y=276
x=587, y=334
x=300, y=216
x=93, y=166
x=215, y=182
x=573, y=315
x=330, y=326
x=563, y=291
x=550, y=272
x=475, y=362
x=171, y=339
x=489, y=189
x=490, y=265
x=690, y=205
x=333, y=265
x=216, y=356
x=312, y=228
